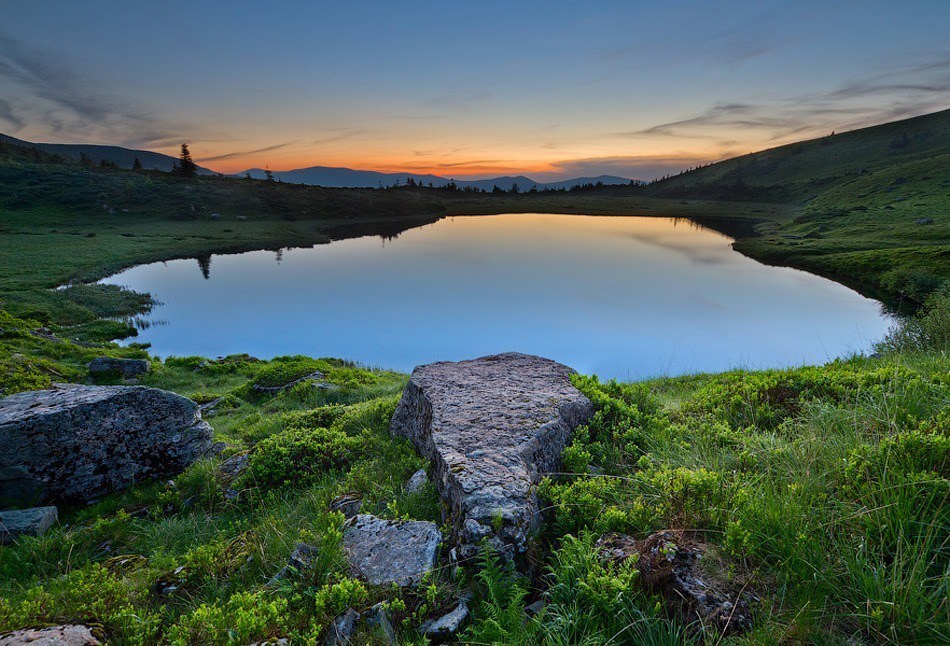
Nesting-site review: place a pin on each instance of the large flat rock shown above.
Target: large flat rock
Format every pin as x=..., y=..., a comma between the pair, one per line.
x=15, y=523
x=77, y=443
x=491, y=427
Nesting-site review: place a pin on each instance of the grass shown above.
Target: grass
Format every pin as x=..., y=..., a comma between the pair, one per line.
x=824, y=489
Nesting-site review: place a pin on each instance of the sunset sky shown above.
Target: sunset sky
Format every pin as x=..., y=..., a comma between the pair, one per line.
x=463, y=89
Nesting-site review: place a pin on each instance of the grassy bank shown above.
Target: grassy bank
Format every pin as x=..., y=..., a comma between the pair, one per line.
x=821, y=489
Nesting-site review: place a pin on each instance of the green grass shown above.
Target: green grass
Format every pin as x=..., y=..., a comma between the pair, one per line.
x=823, y=489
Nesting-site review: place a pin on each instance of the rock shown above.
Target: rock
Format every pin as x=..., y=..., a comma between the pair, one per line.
x=282, y=641
x=80, y=442
x=534, y=609
x=380, y=625
x=670, y=563
x=55, y=636
x=490, y=428
x=924, y=221
x=388, y=551
x=127, y=368
x=316, y=377
x=300, y=560
x=349, y=504
x=234, y=466
x=215, y=216
x=241, y=218
x=447, y=626
x=417, y=481
x=342, y=629
x=25, y=522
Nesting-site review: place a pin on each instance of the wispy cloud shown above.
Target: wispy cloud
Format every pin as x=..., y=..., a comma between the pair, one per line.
x=458, y=101
x=631, y=167
x=900, y=92
x=244, y=153
x=7, y=114
x=67, y=102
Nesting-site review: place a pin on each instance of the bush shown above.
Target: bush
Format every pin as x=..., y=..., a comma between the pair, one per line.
x=929, y=329
x=245, y=617
x=297, y=456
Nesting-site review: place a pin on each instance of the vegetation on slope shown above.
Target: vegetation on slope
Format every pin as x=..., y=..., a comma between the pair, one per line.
x=823, y=489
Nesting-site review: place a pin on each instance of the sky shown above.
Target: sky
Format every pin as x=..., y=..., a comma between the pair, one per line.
x=552, y=89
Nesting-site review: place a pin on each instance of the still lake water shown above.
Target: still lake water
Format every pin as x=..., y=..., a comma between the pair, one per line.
x=623, y=297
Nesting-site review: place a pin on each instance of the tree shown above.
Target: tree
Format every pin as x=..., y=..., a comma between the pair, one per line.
x=136, y=164
x=268, y=175
x=186, y=166
x=515, y=189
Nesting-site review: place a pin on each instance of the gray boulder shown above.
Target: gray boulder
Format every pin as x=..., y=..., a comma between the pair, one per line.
x=77, y=443
x=388, y=551
x=446, y=627
x=342, y=629
x=380, y=625
x=25, y=522
x=417, y=481
x=349, y=504
x=127, y=368
x=55, y=636
x=491, y=427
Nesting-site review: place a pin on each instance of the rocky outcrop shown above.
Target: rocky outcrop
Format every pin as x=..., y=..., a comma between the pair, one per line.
x=417, y=481
x=55, y=636
x=25, y=522
x=388, y=551
x=77, y=443
x=671, y=563
x=125, y=368
x=491, y=427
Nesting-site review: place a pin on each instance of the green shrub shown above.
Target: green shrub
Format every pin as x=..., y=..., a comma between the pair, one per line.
x=243, y=618
x=297, y=456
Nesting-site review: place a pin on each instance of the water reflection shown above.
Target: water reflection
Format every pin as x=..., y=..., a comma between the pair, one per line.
x=621, y=297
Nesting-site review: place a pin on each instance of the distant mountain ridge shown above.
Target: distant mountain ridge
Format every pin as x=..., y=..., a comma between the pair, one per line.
x=123, y=157
x=340, y=177
x=328, y=176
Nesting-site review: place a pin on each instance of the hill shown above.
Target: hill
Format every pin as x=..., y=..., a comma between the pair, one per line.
x=339, y=177
x=122, y=157
x=799, y=172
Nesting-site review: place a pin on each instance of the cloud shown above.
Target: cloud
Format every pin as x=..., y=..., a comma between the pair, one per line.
x=900, y=92
x=349, y=134
x=458, y=101
x=66, y=102
x=7, y=114
x=244, y=153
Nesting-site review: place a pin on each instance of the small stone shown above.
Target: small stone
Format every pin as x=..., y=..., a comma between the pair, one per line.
x=388, y=551
x=68, y=635
x=349, y=504
x=234, y=466
x=300, y=560
x=342, y=629
x=924, y=221
x=25, y=522
x=533, y=609
x=447, y=626
x=668, y=562
x=381, y=625
x=418, y=480
x=125, y=367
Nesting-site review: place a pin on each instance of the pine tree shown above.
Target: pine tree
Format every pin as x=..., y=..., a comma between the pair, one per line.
x=136, y=164
x=186, y=166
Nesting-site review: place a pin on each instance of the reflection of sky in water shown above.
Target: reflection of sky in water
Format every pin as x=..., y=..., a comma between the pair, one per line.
x=620, y=297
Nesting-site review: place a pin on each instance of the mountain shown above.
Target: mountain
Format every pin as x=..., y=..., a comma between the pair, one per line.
x=350, y=178
x=123, y=157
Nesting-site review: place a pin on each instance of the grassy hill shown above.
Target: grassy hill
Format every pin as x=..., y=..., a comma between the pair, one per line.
x=121, y=157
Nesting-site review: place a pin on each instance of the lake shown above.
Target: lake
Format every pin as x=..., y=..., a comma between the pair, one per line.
x=623, y=297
